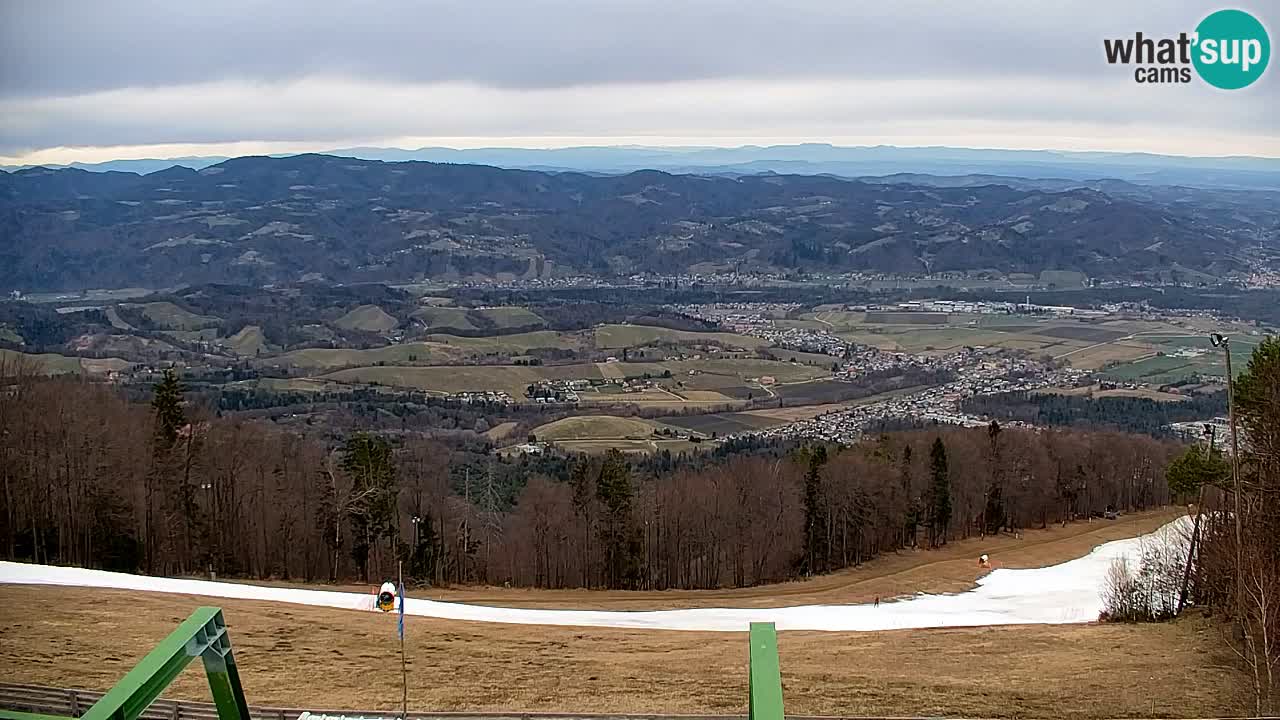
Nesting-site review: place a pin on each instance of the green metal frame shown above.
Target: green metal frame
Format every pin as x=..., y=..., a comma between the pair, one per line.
x=204, y=636
x=766, y=674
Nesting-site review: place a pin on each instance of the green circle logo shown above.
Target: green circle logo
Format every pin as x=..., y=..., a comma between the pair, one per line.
x=1232, y=49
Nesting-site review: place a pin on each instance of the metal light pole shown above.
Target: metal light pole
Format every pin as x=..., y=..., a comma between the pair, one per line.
x=1224, y=342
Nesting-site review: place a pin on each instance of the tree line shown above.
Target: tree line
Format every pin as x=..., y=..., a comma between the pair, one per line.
x=1235, y=541
x=93, y=478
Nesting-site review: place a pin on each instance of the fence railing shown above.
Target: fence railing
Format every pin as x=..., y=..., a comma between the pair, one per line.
x=73, y=703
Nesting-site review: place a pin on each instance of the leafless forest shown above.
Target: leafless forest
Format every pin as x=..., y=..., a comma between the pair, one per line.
x=92, y=479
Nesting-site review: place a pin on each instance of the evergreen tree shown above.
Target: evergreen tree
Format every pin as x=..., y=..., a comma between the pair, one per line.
x=939, y=495
x=371, y=508
x=580, y=480
x=166, y=407
x=613, y=489
x=815, y=516
x=911, y=503
x=993, y=516
x=168, y=419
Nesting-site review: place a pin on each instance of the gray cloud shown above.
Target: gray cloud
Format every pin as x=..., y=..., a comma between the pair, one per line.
x=140, y=72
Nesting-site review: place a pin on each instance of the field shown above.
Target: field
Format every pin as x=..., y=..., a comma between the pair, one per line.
x=1128, y=349
x=597, y=427
x=1094, y=391
x=722, y=423
x=317, y=657
x=514, y=344
x=322, y=358
x=45, y=364
x=367, y=318
x=804, y=358
x=512, y=379
x=248, y=342
x=609, y=337
x=171, y=317
x=511, y=317
x=444, y=318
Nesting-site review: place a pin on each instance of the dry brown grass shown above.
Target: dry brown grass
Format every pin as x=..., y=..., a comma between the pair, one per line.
x=300, y=656
x=325, y=658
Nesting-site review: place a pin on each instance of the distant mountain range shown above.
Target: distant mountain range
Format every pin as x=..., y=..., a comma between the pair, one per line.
x=259, y=220
x=818, y=159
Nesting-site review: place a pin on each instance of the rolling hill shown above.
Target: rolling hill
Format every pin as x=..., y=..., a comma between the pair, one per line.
x=259, y=220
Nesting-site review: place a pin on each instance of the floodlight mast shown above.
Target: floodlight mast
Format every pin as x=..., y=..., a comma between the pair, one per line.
x=1224, y=342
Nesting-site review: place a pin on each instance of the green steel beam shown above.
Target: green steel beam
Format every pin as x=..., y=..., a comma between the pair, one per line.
x=765, y=685
x=203, y=635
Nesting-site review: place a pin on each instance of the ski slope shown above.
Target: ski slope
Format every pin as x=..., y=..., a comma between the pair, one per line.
x=1060, y=594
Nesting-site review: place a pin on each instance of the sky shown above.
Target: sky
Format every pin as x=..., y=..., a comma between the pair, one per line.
x=94, y=80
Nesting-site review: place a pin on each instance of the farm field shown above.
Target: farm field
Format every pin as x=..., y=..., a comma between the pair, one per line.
x=597, y=427
x=1094, y=391
x=511, y=317
x=168, y=316
x=444, y=318
x=512, y=379
x=515, y=344
x=248, y=341
x=54, y=364
x=609, y=337
x=367, y=318
x=326, y=358
x=722, y=423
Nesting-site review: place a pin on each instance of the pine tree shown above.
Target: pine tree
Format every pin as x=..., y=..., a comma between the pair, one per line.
x=939, y=495
x=166, y=406
x=613, y=489
x=993, y=517
x=168, y=421
x=815, y=517
x=580, y=479
x=911, y=504
x=371, y=507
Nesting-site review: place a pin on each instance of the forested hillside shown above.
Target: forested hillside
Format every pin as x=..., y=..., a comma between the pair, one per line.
x=91, y=478
x=258, y=220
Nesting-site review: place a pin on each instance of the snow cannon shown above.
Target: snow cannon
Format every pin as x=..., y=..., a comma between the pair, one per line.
x=387, y=597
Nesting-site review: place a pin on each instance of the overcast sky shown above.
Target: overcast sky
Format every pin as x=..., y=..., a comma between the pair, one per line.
x=100, y=79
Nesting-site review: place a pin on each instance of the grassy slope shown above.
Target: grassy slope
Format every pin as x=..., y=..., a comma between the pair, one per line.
x=367, y=318
x=586, y=427
x=424, y=352
x=620, y=336
x=316, y=657
x=441, y=318
x=171, y=317
x=511, y=317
